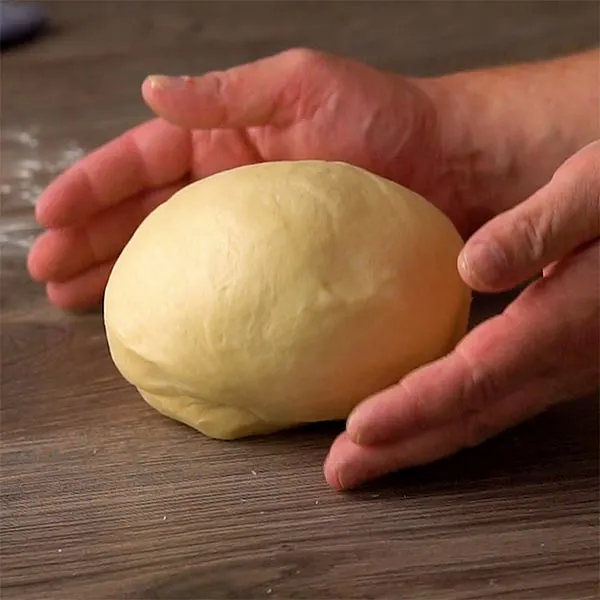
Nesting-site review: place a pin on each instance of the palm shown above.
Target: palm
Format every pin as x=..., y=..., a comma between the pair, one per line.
x=322, y=109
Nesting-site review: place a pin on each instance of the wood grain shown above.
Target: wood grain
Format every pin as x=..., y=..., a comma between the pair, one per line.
x=104, y=499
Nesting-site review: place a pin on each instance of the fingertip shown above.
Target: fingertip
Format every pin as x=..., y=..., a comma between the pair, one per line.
x=464, y=268
x=47, y=258
x=363, y=425
x=331, y=466
x=357, y=430
x=377, y=419
x=40, y=264
x=43, y=208
x=175, y=100
x=148, y=88
x=81, y=293
x=166, y=82
x=33, y=262
x=63, y=296
x=153, y=82
x=53, y=208
x=39, y=212
x=482, y=265
x=332, y=477
x=353, y=428
x=339, y=467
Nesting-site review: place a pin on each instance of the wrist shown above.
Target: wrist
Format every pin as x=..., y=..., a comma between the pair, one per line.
x=503, y=132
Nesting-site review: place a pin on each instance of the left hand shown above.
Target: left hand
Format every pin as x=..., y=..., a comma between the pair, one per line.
x=543, y=349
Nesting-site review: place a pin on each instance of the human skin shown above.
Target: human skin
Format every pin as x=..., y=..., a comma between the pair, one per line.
x=486, y=147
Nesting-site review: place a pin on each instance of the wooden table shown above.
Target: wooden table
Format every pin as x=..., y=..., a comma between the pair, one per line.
x=103, y=498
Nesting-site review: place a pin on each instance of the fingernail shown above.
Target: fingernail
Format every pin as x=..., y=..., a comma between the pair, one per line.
x=331, y=473
x=482, y=262
x=463, y=265
x=353, y=432
x=341, y=484
x=364, y=425
x=168, y=82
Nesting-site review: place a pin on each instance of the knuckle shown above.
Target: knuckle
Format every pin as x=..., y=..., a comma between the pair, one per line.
x=579, y=176
x=214, y=82
x=479, y=384
x=219, y=83
x=421, y=412
x=309, y=73
x=304, y=57
x=534, y=230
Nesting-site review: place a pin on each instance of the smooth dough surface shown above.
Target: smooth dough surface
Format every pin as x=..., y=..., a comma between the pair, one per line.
x=282, y=293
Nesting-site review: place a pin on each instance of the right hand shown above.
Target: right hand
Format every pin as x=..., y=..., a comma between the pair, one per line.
x=299, y=104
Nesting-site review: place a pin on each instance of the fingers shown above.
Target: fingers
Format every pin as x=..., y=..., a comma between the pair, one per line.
x=152, y=155
x=551, y=329
x=217, y=150
x=483, y=367
x=60, y=254
x=561, y=217
x=272, y=90
x=82, y=292
x=544, y=349
x=349, y=464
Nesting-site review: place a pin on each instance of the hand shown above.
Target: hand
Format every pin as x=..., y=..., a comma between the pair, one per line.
x=542, y=350
x=299, y=104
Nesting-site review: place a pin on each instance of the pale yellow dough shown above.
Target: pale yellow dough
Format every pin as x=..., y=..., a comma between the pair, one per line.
x=283, y=293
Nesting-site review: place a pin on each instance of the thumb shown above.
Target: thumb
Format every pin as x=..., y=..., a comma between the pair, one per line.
x=269, y=90
x=559, y=218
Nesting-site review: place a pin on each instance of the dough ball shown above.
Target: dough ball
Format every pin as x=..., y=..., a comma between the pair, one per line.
x=283, y=293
